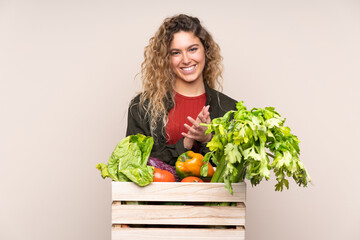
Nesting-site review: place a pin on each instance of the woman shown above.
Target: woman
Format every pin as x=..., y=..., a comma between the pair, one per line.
x=181, y=70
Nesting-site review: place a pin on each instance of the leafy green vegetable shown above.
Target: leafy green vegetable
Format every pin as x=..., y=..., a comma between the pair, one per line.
x=240, y=143
x=128, y=162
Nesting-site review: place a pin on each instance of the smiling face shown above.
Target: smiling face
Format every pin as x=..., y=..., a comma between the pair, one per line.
x=187, y=58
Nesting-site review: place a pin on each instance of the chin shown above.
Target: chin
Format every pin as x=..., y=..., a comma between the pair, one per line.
x=190, y=79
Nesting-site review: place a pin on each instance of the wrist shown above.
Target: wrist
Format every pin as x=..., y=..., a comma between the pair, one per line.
x=188, y=143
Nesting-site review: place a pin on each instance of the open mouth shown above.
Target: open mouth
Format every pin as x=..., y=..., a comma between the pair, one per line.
x=188, y=69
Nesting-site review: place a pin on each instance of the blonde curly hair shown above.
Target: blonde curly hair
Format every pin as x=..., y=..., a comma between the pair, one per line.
x=157, y=76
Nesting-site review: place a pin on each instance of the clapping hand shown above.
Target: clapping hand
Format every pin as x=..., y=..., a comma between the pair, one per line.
x=196, y=132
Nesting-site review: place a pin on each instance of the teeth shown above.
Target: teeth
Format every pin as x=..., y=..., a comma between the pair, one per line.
x=189, y=68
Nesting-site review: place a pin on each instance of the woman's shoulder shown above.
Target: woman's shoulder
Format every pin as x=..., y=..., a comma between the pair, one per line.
x=221, y=100
x=224, y=97
x=136, y=99
x=135, y=105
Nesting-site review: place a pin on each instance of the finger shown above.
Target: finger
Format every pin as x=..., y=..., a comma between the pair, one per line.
x=190, y=136
x=187, y=135
x=191, y=129
x=187, y=126
x=205, y=110
x=207, y=120
x=201, y=113
x=204, y=114
x=193, y=121
x=202, y=119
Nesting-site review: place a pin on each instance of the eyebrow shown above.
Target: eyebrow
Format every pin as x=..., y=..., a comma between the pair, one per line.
x=193, y=45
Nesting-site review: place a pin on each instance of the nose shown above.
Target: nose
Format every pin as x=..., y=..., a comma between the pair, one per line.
x=186, y=60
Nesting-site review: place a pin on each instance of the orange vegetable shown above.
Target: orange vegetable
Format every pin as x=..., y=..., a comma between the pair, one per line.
x=163, y=176
x=192, y=179
x=189, y=164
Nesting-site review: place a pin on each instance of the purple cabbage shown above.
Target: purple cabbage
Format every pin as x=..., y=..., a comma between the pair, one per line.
x=155, y=162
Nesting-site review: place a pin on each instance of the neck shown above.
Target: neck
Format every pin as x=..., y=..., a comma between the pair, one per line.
x=191, y=89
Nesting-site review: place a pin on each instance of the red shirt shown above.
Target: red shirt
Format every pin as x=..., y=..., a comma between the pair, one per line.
x=184, y=107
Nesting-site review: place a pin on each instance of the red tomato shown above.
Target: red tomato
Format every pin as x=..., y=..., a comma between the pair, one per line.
x=163, y=176
x=192, y=179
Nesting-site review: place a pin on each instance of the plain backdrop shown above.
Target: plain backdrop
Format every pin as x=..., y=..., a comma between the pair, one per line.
x=67, y=74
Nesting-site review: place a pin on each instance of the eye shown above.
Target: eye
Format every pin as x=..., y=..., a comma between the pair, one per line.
x=193, y=49
x=175, y=53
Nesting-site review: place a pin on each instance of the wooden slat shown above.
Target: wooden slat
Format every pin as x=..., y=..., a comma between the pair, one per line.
x=178, y=215
x=177, y=233
x=181, y=192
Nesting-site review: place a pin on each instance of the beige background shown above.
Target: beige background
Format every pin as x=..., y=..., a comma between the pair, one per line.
x=67, y=74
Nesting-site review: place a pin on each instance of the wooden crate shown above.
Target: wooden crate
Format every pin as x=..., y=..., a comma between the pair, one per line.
x=151, y=219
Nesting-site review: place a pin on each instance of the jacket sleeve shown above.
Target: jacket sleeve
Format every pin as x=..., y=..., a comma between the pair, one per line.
x=138, y=122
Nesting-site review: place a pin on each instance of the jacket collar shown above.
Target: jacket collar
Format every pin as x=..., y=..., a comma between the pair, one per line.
x=208, y=94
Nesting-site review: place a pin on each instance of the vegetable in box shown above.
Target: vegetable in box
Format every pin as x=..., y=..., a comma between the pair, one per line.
x=128, y=162
x=244, y=141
